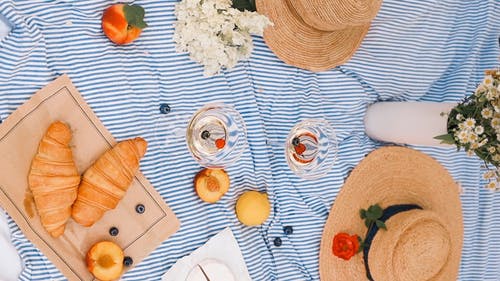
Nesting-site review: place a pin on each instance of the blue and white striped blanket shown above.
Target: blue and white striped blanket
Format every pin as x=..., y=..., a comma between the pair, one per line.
x=434, y=50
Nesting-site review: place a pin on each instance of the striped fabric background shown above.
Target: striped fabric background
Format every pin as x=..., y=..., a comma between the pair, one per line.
x=433, y=50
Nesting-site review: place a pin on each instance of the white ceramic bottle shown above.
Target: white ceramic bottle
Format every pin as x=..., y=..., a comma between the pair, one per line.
x=415, y=123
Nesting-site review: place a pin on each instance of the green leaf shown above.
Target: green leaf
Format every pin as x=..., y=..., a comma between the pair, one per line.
x=370, y=216
x=362, y=213
x=243, y=5
x=378, y=210
x=368, y=223
x=381, y=224
x=447, y=138
x=134, y=14
x=374, y=212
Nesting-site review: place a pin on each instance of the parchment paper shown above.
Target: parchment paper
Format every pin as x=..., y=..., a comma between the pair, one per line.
x=20, y=134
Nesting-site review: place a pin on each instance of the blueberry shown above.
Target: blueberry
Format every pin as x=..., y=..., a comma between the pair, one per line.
x=164, y=108
x=295, y=141
x=127, y=261
x=288, y=230
x=205, y=134
x=277, y=242
x=140, y=208
x=113, y=231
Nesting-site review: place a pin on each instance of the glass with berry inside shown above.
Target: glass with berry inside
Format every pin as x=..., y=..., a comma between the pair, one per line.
x=311, y=148
x=216, y=135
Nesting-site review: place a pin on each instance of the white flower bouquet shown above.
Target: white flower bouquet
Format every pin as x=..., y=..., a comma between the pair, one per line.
x=474, y=124
x=215, y=34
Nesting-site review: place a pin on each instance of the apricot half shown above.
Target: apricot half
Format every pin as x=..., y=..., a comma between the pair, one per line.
x=105, y=260
x=211, y=184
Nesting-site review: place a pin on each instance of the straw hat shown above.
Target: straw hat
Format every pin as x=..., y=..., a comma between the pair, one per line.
x=317, y=34
x=419, y=244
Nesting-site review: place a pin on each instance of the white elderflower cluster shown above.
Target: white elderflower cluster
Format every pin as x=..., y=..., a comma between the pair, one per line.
x=215, y=34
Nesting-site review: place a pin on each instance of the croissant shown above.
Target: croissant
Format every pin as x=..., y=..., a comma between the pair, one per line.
x=104, y=184
x=54, y=179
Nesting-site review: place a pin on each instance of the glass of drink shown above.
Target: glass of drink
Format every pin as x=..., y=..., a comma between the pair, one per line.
x=216, y=135
x=311, y=148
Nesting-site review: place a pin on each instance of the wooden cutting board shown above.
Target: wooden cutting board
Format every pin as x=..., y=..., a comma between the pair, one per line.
x=20, y=134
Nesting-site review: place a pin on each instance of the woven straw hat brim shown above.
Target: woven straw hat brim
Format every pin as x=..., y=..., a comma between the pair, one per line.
x=300, y=45
x=330, y=15
x=391, y=176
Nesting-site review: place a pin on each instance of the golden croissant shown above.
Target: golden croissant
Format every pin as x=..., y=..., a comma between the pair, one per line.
x=104, y=184
x=54, y=179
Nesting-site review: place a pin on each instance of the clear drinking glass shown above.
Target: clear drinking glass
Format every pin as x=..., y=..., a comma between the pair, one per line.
x=216, y=135
x=311, y=148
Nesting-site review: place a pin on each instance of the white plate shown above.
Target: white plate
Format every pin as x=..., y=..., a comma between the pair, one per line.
x=210, y=269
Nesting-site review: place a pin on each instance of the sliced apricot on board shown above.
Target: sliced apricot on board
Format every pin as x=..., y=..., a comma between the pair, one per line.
x=105, y=261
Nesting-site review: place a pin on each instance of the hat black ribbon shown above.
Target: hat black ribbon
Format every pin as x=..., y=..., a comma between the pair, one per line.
x=388, y=213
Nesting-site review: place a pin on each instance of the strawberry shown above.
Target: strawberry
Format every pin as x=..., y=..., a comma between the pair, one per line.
x=123, y=23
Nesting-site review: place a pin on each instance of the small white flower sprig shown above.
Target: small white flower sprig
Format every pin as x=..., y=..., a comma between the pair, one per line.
x=215, y=34
x=474, y=124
